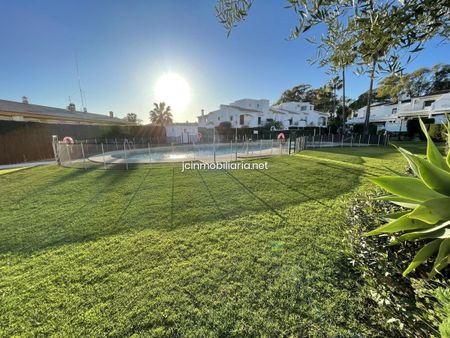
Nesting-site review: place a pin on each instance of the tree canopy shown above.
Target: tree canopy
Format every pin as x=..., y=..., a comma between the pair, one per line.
x=422, y=81
x=161, y=114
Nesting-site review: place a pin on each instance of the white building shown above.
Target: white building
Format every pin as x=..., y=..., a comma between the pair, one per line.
x=182, y=132
x=299, y=114
x=393, y=116
x=251, y=113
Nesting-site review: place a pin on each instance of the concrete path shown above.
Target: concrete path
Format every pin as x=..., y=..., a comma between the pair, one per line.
x=27, y=164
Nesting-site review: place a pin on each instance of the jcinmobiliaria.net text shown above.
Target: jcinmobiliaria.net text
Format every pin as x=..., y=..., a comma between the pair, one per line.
x=191, y=165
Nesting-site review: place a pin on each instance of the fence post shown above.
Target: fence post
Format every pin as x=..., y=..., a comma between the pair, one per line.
x=104, y=160
x=84, y=157
x=260, y=148
x=368, y=139
x=126, y=158
x=342, y=140
x=149, y=154
x=231, y=150
x=351, y=141
x=379, y=138
x=360, y=135
x=68, y=154
x=117, y=147
x=320, y=142
x=56, y=149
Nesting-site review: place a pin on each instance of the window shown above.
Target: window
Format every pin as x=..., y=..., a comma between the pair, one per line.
x=231, y=118
x=303, y=108
x=241, y=119
x=428, y=103
x=257, y=105
x=290, y=121
x=394, y=111
x=218, y=118
x=259, y=120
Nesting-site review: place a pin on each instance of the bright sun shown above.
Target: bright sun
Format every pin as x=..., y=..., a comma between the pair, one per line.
x=172, y=89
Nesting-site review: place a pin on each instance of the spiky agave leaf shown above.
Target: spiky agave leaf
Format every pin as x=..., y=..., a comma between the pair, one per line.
x=428, y=195
x=433, y=154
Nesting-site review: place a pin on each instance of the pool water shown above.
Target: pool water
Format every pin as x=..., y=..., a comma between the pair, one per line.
x=187, y=152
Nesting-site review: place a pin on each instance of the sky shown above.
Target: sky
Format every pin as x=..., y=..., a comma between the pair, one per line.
x=124, y=47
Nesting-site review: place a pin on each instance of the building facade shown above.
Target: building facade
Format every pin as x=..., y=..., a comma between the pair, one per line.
x=392, y=117
x=254, y=113
x=182, y=132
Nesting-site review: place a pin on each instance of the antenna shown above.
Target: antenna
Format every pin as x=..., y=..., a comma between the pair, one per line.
x=83, y=101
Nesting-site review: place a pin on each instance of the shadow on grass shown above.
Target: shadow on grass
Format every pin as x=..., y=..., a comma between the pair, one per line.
x=309, y=197
x=128, y=201
x=264, y=203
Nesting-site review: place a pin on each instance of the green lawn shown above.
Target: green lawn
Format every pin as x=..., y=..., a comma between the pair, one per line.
x=158, y=252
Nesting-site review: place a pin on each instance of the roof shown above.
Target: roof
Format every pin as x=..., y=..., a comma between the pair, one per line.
x=34, y=110
x=243, y=109
x=182, y=124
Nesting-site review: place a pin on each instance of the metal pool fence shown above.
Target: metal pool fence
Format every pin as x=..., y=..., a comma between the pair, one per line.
x=127, y=155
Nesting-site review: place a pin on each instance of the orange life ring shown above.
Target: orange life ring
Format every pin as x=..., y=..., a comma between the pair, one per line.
x=199, y=136
x=281, y=136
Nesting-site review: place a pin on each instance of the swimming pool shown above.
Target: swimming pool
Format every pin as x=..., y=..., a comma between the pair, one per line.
x=202, y=152
x=193, y=152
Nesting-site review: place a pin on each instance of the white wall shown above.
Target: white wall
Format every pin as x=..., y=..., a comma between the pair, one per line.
x=256, y=113
x=182, y=132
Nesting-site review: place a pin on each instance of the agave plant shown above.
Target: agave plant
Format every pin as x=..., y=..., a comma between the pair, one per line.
x=426, y=198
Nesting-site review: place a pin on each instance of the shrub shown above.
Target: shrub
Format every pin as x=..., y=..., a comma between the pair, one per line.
x=427, y=198
x=359, y=129
x=402, y=307
x=437, y=132
x=443, y=296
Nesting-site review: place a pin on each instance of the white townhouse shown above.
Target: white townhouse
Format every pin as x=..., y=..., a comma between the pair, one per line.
x=252, y=113
x=299, y=114
x=393, y=116
x=182, y=132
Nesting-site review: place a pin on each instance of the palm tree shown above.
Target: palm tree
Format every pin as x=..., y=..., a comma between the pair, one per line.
x=161, y=114
x=335, y=84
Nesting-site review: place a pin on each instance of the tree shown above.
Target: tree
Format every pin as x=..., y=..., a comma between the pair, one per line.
x=414, y=84
x=277, y=125
x=323, y=99
x=361, y=101
x=297, y=94
x=376, y=30
x=132, y=117
x=422, y=81
x=225, y=129
x=161, y=114
x=441, y=78
x=335, y=84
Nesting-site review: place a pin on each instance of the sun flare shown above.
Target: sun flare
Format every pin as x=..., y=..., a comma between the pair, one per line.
x=174, y=90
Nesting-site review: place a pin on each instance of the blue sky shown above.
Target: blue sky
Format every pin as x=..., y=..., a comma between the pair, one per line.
x=123, y=47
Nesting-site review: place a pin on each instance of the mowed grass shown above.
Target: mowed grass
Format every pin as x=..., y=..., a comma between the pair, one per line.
x=158, y=252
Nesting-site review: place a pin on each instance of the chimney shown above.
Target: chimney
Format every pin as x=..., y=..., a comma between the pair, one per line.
x=25, y=99
x=71, y=107
x=203, y=112
x=111, y=114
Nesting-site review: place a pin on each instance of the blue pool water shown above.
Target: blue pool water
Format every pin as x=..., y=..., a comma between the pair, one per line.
x=188, y=152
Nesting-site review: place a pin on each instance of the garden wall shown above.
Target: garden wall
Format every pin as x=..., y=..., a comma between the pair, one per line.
x=31, y=141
